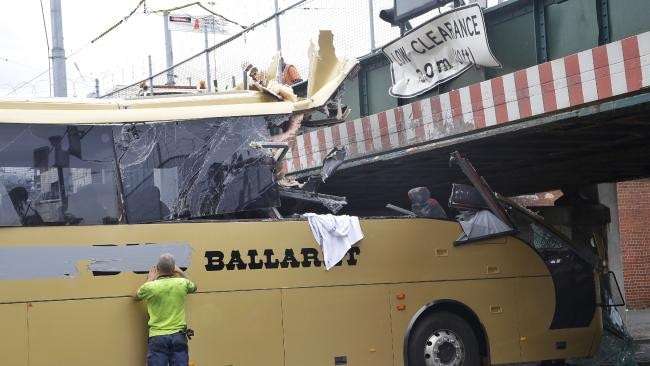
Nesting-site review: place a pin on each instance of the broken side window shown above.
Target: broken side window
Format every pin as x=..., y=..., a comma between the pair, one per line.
x=193, y=169
x=57, y=175
x=477, y=220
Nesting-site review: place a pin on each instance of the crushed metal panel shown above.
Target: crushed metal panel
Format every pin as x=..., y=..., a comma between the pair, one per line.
x=333, y=161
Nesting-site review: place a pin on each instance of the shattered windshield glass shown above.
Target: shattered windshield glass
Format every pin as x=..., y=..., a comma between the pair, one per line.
x=57, y=175
x=196, y=168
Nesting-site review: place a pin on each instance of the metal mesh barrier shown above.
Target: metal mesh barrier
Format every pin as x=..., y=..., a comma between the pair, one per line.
x=355, y=35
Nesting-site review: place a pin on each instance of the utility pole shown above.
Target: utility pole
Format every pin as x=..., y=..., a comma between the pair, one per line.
x=277, y=28
x=207, y=55
x=58, y=52
x=150, y=77
x=372, y=26
x=168, y=48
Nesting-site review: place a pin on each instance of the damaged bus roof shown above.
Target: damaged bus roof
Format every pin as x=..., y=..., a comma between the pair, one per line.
x=326, y=74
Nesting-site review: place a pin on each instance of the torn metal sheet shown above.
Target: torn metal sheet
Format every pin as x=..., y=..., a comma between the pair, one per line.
x=26, y=263
x=326, y=72
x=332, y=204
x=195, y=168
x=308, y=191
x=332, y=161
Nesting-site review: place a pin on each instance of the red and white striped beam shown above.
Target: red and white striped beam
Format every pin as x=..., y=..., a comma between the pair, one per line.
x=596, y=74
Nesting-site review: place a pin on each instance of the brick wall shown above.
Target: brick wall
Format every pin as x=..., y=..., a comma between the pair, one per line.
x=634, y=221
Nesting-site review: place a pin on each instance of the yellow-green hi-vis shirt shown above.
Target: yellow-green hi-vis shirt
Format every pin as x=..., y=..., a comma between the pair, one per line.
x=166, y=303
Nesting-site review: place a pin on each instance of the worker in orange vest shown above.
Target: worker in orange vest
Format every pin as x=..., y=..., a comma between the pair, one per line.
x=290, y=74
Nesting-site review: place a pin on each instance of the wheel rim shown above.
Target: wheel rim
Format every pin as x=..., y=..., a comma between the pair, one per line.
x=443, y=348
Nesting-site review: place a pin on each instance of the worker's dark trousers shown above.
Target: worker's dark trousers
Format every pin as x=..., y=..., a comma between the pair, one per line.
x=167, y=350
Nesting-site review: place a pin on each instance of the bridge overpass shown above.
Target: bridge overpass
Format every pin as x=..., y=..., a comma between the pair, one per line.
x=579, y=119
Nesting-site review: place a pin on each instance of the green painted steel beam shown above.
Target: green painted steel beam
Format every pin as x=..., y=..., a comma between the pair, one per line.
x=540, y=31
x=602, y=8
x=363, y=92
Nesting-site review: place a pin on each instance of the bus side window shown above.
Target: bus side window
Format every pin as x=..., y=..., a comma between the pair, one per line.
x=193, y=169
x=56, y=175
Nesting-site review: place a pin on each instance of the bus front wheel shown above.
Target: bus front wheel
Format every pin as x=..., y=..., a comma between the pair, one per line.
x=443, y=338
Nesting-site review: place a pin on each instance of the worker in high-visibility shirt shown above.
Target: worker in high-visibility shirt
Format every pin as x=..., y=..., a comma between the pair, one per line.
x=290, y=74
x=165, y=291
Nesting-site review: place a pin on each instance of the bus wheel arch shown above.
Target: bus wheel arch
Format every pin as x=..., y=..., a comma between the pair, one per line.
x=431, y=310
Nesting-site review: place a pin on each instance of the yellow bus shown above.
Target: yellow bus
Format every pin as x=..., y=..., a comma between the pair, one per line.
x=91, y=193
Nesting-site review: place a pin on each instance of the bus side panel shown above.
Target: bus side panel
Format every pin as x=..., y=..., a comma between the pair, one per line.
x=236, y=328
x=323, y=323
x=535, y=320
x=13, y=347
x=100, y=332
x=393, y=250
x=492, y=300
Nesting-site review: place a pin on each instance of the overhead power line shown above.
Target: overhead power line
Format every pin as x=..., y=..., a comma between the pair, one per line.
x=142, y=2
x=119, y=23
x=22, y=85
x=15, y=89
x=47, y=42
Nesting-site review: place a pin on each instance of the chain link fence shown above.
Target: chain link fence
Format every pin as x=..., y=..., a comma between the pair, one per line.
x=356, y=26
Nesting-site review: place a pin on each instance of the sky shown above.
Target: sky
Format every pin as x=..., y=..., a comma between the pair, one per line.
x=121, y=56
x=117, y=58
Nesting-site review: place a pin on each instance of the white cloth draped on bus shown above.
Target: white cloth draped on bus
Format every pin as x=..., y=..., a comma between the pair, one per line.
x=335, y=235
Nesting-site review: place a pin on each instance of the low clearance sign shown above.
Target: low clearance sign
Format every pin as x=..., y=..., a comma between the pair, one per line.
x=439, y=50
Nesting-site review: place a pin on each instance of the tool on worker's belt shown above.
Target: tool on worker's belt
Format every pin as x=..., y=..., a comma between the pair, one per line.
x=188, y=332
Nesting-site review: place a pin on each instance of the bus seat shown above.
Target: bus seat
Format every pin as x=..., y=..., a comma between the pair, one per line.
x=423, y=205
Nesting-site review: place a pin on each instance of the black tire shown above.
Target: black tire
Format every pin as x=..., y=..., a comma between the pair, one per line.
x=443, y=328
